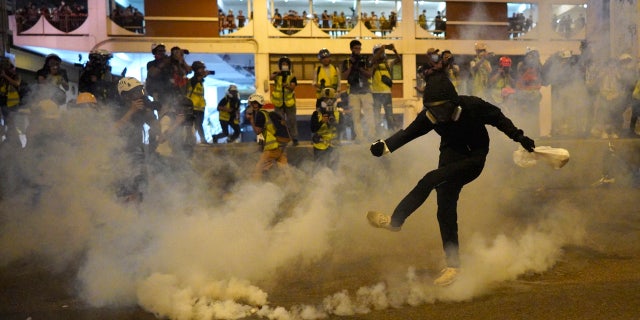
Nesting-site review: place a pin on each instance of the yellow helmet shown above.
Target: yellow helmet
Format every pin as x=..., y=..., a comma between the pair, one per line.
x=86, y=97
x=480, y=46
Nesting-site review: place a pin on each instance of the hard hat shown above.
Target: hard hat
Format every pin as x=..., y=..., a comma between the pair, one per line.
x=156, y=46
x=480, y=46
x=197, y=65
x=324, y=53
x=232, y=87
x=102, y=53
x=376, y=47
x=128, y=83
x=256, y=98
x=269, y=106
x=283, y=60
x=329, y=93
x=86, y=97
x=505, y=61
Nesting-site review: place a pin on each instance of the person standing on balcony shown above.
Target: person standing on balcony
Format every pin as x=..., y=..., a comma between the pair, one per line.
x=283, y=95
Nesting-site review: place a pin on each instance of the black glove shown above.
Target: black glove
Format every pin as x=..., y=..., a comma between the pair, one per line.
x=379, y=148
x=526, y=142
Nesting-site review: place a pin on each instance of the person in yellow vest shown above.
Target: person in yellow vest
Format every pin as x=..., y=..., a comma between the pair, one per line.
x=324, y=125
x=271, y=133
x=195, y=92
x=480, y=71
x=326, y=76
x=422, y=20
x=9, y=98
x=381, y=84
x=502, y=85
x=283, y=95
x=229, y=111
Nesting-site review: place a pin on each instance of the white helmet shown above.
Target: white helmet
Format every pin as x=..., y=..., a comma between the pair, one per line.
x=257, y=98
x=127, y=83
x=376, y=47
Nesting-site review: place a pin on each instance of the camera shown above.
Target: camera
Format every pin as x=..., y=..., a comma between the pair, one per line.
x=211, y=72
x=360, y=61
x=285, y=73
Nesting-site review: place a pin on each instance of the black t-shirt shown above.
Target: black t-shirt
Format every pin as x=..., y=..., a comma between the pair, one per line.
x=161, y=82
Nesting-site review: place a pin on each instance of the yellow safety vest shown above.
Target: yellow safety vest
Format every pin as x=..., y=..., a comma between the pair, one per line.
x=196, y=94
x=13, y=98
x=328, y=133
x=277, y=95
x=330, y=80
x=377, y=86
x=269, y=132
x=226, y=115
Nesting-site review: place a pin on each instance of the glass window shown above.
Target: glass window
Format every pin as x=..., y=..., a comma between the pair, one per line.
x=568, y=19
x=522, y=17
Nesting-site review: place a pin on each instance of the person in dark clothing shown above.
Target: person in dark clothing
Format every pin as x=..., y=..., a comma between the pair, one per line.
x=229, y=111
x=460, y=121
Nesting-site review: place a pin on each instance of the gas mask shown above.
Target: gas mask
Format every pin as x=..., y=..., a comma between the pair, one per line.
x=443, y=111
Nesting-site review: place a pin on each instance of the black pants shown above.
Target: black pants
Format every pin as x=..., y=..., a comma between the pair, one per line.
x=454, y=171
x=225, y=130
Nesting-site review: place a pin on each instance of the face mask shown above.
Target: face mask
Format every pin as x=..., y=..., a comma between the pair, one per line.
x=443, y=113
x=285, y=68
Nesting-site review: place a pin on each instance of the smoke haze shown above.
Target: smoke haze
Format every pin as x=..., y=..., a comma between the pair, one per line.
x=207, y=243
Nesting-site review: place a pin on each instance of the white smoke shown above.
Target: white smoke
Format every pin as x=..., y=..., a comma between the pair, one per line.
x=215, y=245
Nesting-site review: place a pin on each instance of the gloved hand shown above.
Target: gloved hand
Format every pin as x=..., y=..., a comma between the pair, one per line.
x=379, y=148
x=527, y=143
x=260, y=139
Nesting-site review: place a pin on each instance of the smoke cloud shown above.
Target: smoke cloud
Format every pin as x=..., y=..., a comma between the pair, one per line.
x=208, y=243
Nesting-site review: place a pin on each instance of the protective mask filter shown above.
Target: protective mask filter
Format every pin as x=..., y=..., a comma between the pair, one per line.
x=443, y=113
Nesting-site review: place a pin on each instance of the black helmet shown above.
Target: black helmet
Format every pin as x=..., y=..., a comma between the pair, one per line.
x=197, y=65
x=324, y=53
x=282, y=60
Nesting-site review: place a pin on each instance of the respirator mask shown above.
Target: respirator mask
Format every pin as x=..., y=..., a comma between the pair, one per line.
x=442, y=111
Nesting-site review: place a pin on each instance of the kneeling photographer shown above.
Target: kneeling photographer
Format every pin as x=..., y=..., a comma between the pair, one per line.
x=324, y=127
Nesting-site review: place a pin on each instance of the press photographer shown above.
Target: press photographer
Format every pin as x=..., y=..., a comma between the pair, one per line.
x=96, y=77
x=381, y=84
x=324, y=127
x=357, y=71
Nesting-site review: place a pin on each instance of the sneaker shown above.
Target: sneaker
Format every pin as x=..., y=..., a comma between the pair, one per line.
x=295, y=142
x=230, y=140
x=380, y=220
x=447, y=276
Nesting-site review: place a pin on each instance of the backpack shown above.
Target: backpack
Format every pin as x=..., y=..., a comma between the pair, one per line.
x=282, y=131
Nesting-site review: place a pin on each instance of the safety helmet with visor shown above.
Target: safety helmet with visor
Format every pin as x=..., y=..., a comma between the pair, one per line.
x=257, y=98
x=131, y=88
x=324, y=53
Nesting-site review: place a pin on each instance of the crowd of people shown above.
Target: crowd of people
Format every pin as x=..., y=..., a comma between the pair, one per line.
x=128, y=17
x=64, y=16
x=160, y=121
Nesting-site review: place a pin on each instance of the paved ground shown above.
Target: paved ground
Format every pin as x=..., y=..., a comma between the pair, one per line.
x=595, y=278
